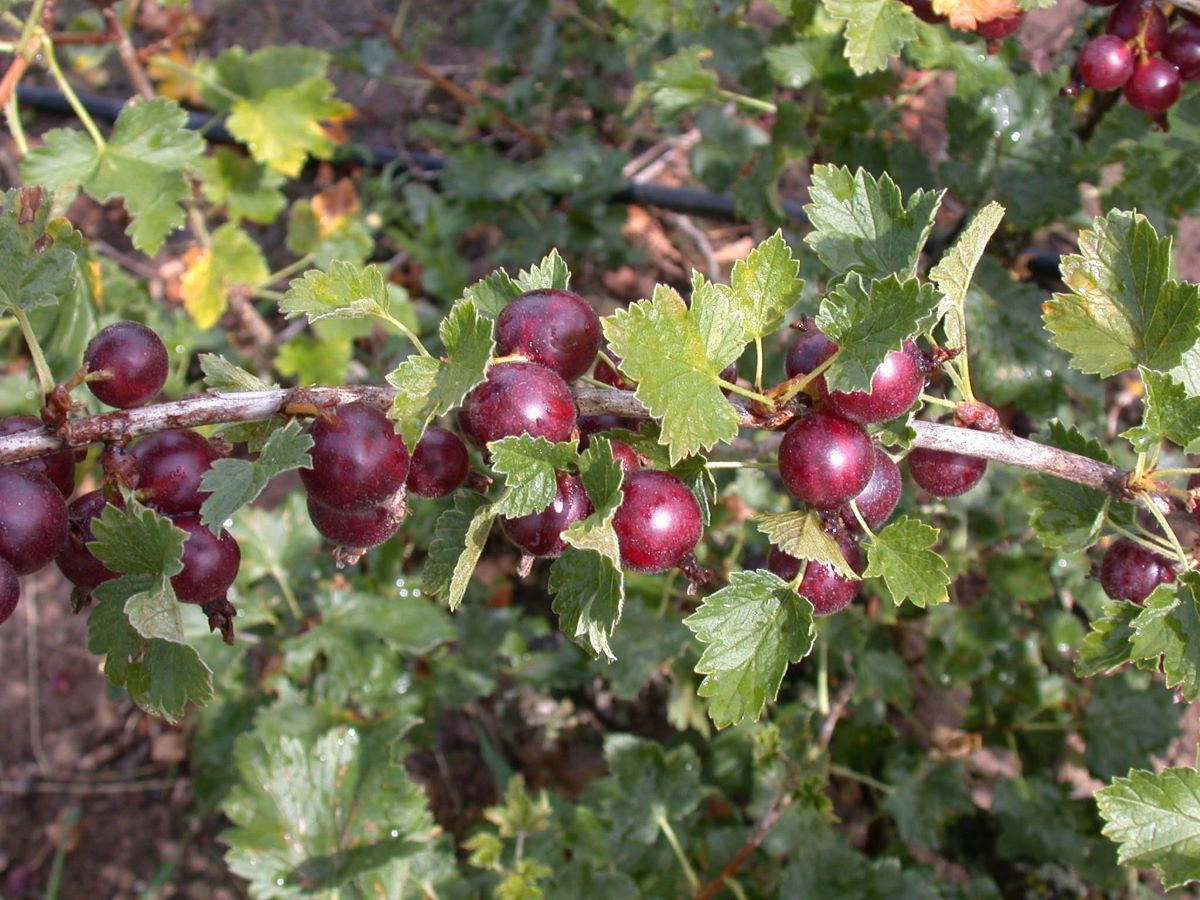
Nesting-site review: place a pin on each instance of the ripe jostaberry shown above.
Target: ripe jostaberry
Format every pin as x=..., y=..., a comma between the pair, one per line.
x=821, y=585
x=1134, y=19
x=1105, y=62
x=658, y=522
x=1154, y=86
x=360, y=529
x=810, y=348
x=628, y=458
x=923, y=9
x=895, y=387
x=589, y=425
x=33, y=520
x=58, y=466
x=358, y=460
x=877, y=501
x=1130, y=572
x=945, y=474
x=999, y=29
x=76, y=561
x=606, y=374
x=1183, y=49
x=10, y=590
x=518, y=398
x=439, y=465
x=540, y=533
x=133, y=360
x=825, y=460
x=170, y=466
x=557, y=329
x=210, y=563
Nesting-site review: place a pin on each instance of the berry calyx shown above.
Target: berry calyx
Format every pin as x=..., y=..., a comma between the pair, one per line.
x=540, y=533
x=945, y=474
x=821, y=585
x=360, y=529
x=439, y=464
x=170, y=465
x=1183, y=49
x=1130, y=572
x=1154, y=86
x=658, y=522
x=557, y=329
x=132, y=360
x=358, y=460
x=33, y=520
x=76, y=561
x=877, y=501
x=1139, y=20
x=10, y=590
x=210, y=563
x=825, y=460
x=58, y=466
x=518, y=398
x=895, y=387
x=1106, y=62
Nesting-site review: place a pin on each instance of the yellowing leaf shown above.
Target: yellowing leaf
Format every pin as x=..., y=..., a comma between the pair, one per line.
x=170, y=73
x=285, y=125
x=232, y=259
x=966, y=14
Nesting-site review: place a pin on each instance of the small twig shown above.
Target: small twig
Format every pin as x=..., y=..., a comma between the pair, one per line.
x=119, y=38
x=27, y=47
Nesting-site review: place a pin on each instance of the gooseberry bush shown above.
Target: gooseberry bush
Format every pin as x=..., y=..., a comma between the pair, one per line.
x=862, y=563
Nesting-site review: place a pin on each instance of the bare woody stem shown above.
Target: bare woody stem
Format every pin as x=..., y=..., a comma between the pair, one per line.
x=228, y=408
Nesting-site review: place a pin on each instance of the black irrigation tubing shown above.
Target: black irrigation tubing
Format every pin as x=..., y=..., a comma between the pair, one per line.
x=684, y=200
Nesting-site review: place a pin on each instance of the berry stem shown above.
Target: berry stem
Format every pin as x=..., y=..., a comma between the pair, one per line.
x=790, y=388
x=938, y=401
x=1170, y=472
x=1149, y=541
x=747, y=393
x=862, y=523
x=1165, y=526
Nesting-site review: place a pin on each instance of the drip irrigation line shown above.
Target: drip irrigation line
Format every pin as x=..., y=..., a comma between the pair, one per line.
x=684, y=200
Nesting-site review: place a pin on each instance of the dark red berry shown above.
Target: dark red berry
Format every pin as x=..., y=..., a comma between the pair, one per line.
x=825, y=460
x=1154, y=86
x=33, y=520
x=809, y=350
x=1100, y=2
x=730, y=374
x=658, y=522
x=610, y=376
x=945, y=474
x=540, y=533
x=1193, y=483
x=75, y=560
x=439, y=464
x=1130, y=572
x=357, y=528
x=821, y=585
x=1132, y=18
x=1105, y=62
x=518, y=398
x=555, y=328
x=877, y=501
x=895, y=387
x=1183, y=49
x=626, y=456
x=170, y=466
x=358, y=460
x=134, y=360
x=923, y=9
x=58, y=466
x=999, y=29
x=589, y=425
x=10, y=590
x=210, y=563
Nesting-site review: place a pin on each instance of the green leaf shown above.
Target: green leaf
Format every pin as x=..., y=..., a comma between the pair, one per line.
x=901, y=554
x=284, y=126
x=863, y=224
x=1168, y=413
x=765, y=285
x=752, y=629
x=674, y=352
x=869, y=320
x=1107, y=645
x=875, y=31
x=223, y=376
x=1156, y=820
x=589, y=592
x=37, y=256
x=136, y=541
x=954, y=271
x=154, y=612
x=926, y=800
x=801, y=535
x=677, y=84
x=429, y=387
x=792, y=65
x=232, y=259
x=1068, y=516
x=1169, y=626
x=529, y=466
x=233, y=483
x=646, y=784
x=458, y=540
x=602, y=477
x=1113, y=747
x=246, y=188
x=490, y=295
x=1124, y=309
x=145, y=162
x=314, y=813
x=550, y=274
x=344, y=291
